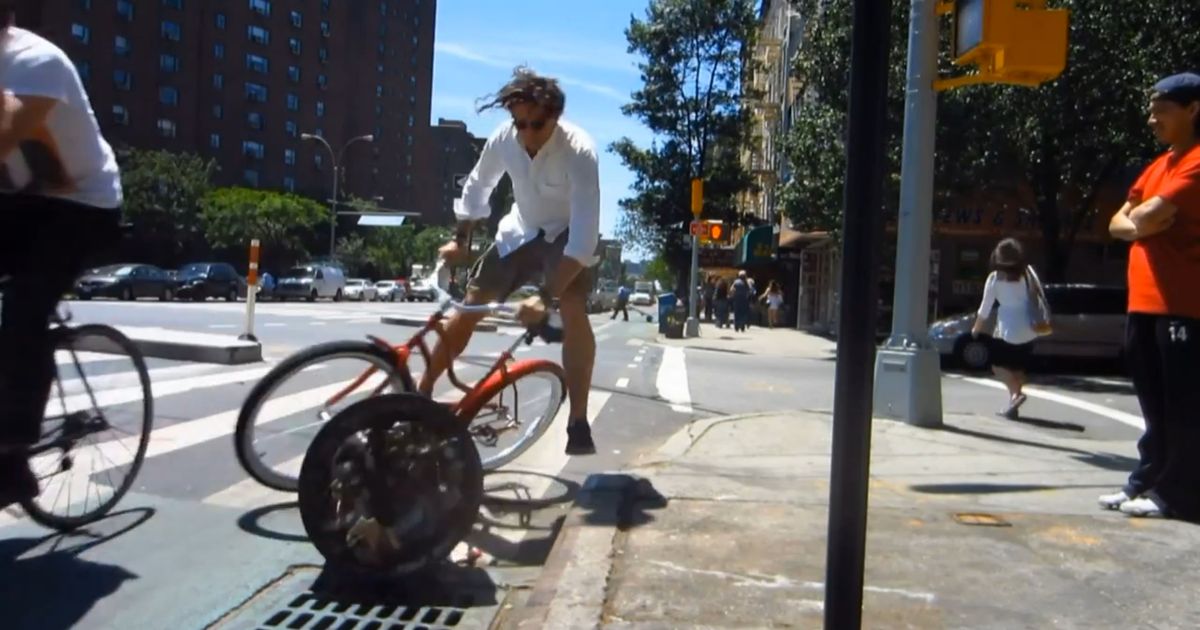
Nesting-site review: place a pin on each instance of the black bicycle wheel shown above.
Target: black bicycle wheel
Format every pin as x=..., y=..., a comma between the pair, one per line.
x=390, y=486
x=88, y=409
x=298, y=397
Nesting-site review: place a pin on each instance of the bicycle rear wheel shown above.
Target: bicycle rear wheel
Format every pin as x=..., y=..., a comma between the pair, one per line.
x=515, y=411
x=81, y=413
x=296, y=398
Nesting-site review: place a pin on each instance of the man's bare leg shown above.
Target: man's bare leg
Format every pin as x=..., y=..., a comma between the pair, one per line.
x=457, y=334
x=579, y=352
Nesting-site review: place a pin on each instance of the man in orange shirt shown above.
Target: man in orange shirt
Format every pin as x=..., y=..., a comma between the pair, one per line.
x=1162, y=219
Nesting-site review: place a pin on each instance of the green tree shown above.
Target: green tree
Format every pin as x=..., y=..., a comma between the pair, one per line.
x=692, y=63
x=390, y=250
x=427, y=243
x=658, y=270
x=233, y=216
x=162, y=192
x=354, y=255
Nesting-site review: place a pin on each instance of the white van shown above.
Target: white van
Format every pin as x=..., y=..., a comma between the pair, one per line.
x=311, y=282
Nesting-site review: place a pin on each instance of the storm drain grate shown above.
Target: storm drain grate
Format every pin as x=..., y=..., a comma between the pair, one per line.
x=310, y=611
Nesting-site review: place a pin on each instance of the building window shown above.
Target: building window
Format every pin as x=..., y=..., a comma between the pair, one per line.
x=294, y=74
x=214, y=140
x=176, y=4
x=411, y=120
x=256, y=93
x=291, y=129
x=123, y=80
x=257, y=63
x=219, y=51
x=383, y=29
x=86, y=5
x=168, y=63
x=84, y=69
x=171, y=31
x=168, y=95
x=250, y=177
x=120, y=115
x=289, y=184
x=408, y=140
x=253, y=149
x=320, y=109
x=379, y=68
x=258, y=35
x=325, y=28
x=125, y=10
x=166, y=128
x=293, y=102
x=81, y=33
x=323, y=54
x=218, y=81
x=289, y=157
x=121, y=46
x=294, y=45
x=218, y=111
x=255, y=120
x=414, y=40
x=297, y=19
x=261, y=7
x=378, y=90
x=324, y=6
x=319, y=160
x=322, y=81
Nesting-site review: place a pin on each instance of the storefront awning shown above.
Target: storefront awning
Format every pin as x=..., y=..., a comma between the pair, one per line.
x=757, y=247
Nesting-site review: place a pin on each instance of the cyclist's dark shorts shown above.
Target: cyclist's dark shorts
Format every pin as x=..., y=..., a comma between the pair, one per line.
x=53, y=238
x=494, y=278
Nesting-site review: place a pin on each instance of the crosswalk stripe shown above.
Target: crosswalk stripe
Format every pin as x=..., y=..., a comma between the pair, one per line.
x=64, y=358
x=159, y=389
x=100, y=382
x=672, y=381
x=248, y=493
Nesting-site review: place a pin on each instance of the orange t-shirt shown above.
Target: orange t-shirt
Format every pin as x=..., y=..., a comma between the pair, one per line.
x=1164, y=269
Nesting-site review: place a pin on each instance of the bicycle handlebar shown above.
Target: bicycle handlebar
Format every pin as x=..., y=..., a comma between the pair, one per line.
x=549, y=330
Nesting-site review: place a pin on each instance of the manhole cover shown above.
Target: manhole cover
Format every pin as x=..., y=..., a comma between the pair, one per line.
x=980, y=520
x=302, y=600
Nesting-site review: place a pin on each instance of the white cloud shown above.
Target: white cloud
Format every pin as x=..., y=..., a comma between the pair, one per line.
x=497, y=61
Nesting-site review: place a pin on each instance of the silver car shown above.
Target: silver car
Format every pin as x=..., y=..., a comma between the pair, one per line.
x=360, y=290
x=1088, y=322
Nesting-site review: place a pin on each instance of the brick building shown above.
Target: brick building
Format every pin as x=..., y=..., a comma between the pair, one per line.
x=241, y=80
x=455, y=152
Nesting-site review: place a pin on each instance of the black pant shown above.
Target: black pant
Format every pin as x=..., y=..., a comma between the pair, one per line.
x=1164, y=358
x=44, y=246
x=621, y=307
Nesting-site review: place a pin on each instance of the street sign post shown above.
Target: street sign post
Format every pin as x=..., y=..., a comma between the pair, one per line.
x=693, y=320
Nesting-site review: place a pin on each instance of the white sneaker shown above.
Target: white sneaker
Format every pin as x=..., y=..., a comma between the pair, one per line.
x=1113, y=501
x=1141, y=507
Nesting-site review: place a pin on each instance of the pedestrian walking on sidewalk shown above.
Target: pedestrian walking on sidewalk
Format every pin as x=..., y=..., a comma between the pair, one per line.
x=622, y=305
x=1014, y=290
x=741, y=296
x=708, y=292
x=1161, y=217
x=774, y=301
x=721, y=302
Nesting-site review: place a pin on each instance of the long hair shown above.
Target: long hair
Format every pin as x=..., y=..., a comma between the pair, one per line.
x=527, y=86
x=1008, y=259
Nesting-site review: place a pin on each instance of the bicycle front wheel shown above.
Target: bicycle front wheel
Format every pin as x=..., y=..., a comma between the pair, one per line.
x=512, y=411
x=285, y=410
x=96, y=428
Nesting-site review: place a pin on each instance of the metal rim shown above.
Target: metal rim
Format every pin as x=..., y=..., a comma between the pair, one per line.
x=535, y=427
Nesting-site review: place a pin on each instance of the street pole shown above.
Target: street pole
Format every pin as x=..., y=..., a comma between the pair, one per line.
x=862, y=229
x=333, y=210
x=908, y=370
x=693, y=320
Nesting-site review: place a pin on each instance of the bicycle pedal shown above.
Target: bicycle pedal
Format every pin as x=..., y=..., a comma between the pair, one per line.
x=67, y=463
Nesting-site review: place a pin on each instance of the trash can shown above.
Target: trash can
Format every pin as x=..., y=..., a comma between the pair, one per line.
x=666, y=304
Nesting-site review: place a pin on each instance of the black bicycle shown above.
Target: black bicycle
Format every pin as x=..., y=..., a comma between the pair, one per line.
x=73, y=453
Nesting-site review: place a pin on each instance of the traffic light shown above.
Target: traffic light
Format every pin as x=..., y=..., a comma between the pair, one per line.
x=1018, y=42
x=713, y=233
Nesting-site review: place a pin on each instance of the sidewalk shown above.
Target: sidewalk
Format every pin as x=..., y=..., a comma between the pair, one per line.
x=757, y=340
x=984, y=524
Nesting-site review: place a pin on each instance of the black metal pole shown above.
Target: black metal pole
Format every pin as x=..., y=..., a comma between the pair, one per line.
x=862, y=231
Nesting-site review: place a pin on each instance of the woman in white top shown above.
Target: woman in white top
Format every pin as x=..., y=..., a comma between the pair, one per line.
x=774, y=300
x=1008, y=286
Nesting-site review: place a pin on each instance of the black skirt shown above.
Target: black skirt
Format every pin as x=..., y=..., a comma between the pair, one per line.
x=1011, y=356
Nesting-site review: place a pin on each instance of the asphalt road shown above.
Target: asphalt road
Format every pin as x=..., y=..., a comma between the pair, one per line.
x=196, y=537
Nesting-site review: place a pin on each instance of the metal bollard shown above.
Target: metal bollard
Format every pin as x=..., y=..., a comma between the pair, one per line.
x=251, y=292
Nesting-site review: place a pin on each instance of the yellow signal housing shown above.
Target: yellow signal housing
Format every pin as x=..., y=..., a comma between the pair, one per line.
x=1018, y=42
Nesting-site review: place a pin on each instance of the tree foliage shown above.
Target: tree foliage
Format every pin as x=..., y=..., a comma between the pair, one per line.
x=1050, y=148
x=692, y=55
x=282, y=222
x=162, y=192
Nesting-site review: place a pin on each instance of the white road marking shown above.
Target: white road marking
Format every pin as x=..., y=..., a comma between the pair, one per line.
x=160, y=389
x=64, y=358
x=632, y=365
x=129, y=378
x=622, y=382
x=248, y=493
x=274, y=325
x=1033, y=392
x=635, y=342
x=672, y=381
x=638, y=358
x=222, y=325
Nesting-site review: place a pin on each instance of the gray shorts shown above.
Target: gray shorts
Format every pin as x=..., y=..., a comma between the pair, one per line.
x=494, y=278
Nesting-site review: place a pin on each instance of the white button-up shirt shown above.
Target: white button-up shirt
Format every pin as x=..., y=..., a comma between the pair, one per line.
x=557, y=190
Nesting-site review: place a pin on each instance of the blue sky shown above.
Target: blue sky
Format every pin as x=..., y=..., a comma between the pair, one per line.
x=583, y=44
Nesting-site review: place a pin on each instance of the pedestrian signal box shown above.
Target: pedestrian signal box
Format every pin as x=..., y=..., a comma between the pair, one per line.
x=713, y=233
x=1018, y=42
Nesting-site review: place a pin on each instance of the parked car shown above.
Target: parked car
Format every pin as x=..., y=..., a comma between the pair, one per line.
x=389, y=291
x=422, y=289
x=1088, y=322
x=603, y=298
x=360, y=290
x=200, y=281
x=127, y=282
x=311, y=282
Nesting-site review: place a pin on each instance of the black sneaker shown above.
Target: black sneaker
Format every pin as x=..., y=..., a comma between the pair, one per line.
x=17, y=481
x=579, y=438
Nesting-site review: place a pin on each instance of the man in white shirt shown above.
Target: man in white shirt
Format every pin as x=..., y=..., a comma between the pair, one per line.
x=60, y=197
x=552, y=230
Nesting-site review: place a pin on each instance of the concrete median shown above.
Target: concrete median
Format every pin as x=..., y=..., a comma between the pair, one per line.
x=176, y=345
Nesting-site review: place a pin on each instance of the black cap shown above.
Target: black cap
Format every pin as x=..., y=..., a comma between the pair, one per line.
x=1181, y=88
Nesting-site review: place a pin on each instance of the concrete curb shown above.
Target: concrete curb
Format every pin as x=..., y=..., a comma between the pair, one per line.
x=416, y=322
x=174, y=346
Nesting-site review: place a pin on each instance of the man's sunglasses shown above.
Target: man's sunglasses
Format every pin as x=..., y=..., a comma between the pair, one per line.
x=536, y=125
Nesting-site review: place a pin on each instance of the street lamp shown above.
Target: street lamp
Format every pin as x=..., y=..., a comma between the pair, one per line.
x=337, y=159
